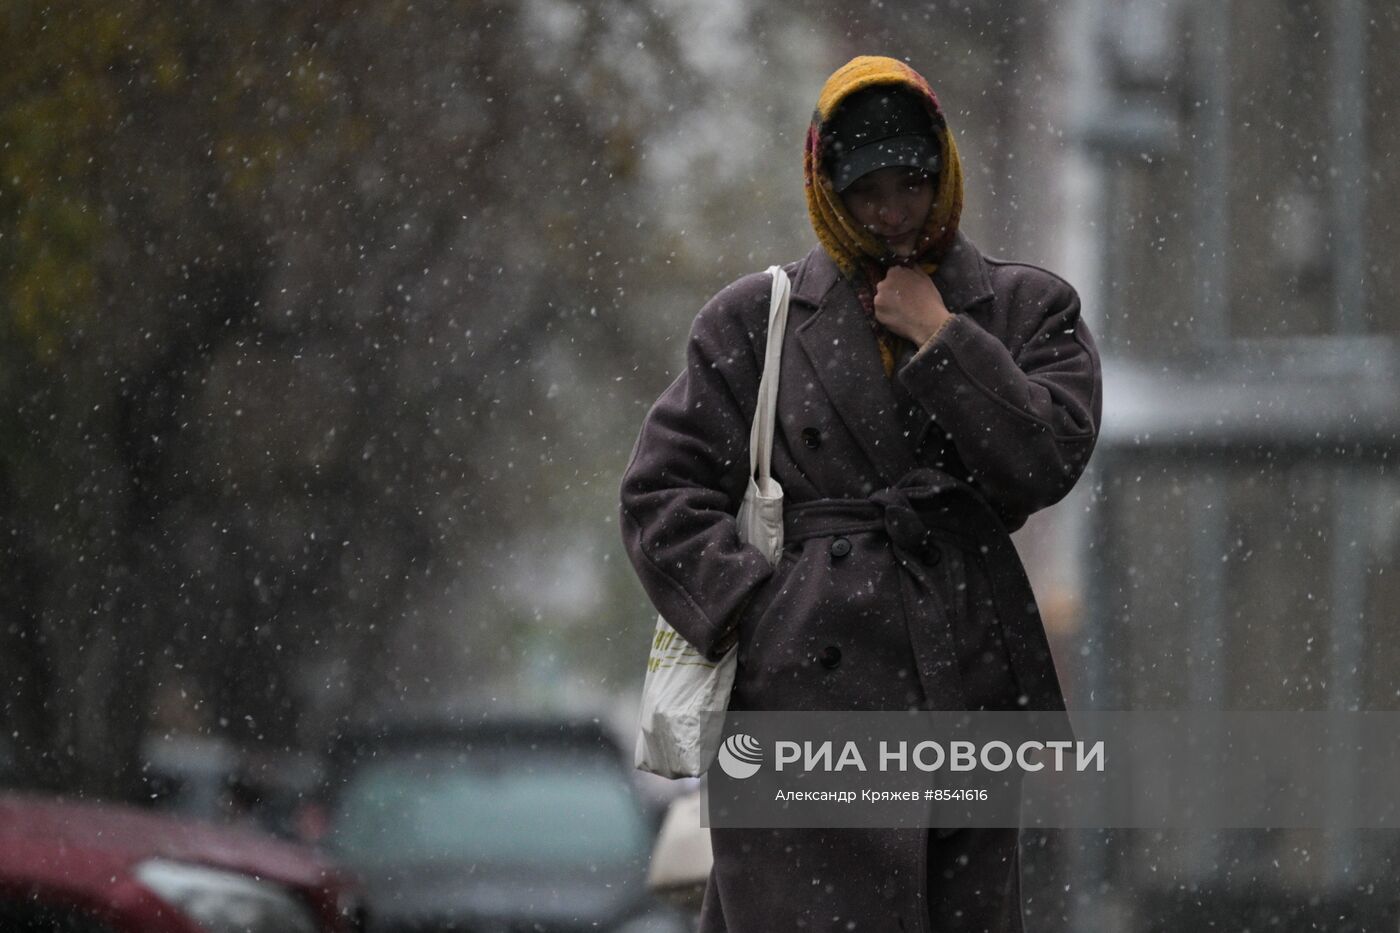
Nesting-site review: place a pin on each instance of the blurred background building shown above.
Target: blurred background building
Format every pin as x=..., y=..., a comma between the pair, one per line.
x=1246, y=511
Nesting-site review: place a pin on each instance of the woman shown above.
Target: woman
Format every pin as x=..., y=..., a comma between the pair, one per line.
x=931, y=399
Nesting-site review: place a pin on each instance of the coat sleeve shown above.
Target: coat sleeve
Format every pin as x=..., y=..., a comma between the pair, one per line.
x=687, y=476
x=1023, y=424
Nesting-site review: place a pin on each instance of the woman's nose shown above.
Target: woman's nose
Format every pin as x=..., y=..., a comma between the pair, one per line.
x=891, y=213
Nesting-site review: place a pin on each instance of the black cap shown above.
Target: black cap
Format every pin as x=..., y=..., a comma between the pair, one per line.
x=877, y=127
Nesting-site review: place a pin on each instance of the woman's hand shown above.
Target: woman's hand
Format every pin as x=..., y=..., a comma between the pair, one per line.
x=909, y=304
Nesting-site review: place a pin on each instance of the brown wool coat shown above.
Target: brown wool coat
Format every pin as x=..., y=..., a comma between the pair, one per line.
x=899, y=586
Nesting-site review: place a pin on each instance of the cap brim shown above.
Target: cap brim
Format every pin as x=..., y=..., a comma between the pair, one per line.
x=908, y=151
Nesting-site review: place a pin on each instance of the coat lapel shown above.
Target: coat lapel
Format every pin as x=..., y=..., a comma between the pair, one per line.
x=841, y=347
x=962, y=277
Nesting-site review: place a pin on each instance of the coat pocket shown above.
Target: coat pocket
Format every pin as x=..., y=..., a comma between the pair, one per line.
x=752, y=617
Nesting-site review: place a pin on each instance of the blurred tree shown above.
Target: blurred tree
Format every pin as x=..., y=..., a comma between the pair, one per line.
x=286, y=292
x=140, y=141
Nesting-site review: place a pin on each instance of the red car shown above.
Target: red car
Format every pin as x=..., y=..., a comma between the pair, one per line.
x=82, y=867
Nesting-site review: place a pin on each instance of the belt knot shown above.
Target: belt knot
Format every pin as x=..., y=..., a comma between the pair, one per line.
x=900, y=508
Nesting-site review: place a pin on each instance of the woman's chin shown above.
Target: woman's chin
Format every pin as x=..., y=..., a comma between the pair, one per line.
x=901, y=246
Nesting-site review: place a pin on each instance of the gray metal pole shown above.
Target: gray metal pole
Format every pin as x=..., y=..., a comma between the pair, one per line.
x=1212, y=313
x=1214, y=25
x=1088, y=863
x=1349, y=560
x=1348, y=80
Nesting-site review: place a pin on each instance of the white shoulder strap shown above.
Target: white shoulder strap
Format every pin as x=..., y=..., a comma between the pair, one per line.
x=766, y=414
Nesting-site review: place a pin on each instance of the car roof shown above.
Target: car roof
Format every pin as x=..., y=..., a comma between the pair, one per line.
x=71, y=843
x=520, y=729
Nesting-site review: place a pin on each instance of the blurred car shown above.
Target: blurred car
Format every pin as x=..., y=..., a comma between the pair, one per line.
x=81, y=867
x=213, y=780
x=495, y=825
x=190, y=776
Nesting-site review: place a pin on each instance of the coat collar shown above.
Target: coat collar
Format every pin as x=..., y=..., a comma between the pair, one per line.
x=841, y=347
x=961, y=277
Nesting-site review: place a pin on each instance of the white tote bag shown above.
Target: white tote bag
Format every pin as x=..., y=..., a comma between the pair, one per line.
x=685, y=695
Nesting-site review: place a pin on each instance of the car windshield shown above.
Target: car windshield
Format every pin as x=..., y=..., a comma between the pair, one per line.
x=495, y=807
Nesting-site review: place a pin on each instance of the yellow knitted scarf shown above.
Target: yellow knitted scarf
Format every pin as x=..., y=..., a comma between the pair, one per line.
x=856, y=252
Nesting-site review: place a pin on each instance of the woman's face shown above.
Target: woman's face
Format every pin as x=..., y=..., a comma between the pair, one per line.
x=893, y=204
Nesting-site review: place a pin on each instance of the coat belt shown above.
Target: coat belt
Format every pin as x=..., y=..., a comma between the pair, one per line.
x=926, y=507
x=914, y=513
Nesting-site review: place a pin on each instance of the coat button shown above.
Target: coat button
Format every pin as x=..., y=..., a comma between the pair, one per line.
x=830, y=657
x=812, y=438
x=935, y=554
x=840, y=547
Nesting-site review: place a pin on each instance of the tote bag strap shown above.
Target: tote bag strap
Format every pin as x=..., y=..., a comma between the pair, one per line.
x=766, y=414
